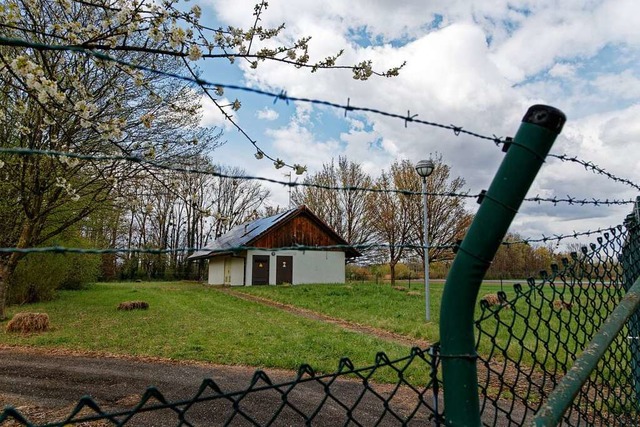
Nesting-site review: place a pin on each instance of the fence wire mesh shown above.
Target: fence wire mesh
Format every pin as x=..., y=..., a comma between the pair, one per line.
x=529, y=338
x=350, y=396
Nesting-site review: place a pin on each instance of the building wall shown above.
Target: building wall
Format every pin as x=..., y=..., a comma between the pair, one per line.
x=318, y=267
x=308, y=266
x=216, y=270
x=237, y=271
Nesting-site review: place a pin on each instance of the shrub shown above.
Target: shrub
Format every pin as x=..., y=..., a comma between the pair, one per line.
x=356, y=272
x=39, y=275
x=28, y=322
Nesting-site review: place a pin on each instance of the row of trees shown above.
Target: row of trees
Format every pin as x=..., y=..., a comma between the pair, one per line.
x=391, y=214
x=93, y=79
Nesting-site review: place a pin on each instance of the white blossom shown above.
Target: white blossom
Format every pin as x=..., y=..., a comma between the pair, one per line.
x=195, y=53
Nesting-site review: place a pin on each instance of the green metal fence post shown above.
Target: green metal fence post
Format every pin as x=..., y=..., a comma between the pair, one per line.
x=525, y=155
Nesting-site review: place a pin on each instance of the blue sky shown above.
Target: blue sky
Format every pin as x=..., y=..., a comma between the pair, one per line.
x=473, y=65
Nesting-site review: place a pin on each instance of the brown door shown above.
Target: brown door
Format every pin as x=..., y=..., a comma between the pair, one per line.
x=260, y=274
x=284, y=269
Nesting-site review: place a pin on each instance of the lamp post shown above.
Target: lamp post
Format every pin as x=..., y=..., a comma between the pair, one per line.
x=424, y=168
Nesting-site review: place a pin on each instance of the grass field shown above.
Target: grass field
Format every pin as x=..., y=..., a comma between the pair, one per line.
x=194, y=322
x=380, y=306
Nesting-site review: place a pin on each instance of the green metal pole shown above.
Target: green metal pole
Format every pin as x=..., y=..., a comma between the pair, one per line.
x=525, y=155
x=562, y=396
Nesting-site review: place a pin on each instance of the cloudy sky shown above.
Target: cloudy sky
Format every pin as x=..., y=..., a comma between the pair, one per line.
x=477, y=65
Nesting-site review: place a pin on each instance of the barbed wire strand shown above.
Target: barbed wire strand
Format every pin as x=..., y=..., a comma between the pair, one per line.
x=282, y=95
x=115, y=158
x=204, y=251
x=588, y=165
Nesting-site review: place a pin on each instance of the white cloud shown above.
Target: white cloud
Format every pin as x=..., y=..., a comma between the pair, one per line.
x=562, y=69
x=212, y=116
x=480, y=68
x=267, y=114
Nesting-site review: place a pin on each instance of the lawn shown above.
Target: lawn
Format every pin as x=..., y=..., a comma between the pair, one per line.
x=189, y=321
x=194, y=322
x=377, y=305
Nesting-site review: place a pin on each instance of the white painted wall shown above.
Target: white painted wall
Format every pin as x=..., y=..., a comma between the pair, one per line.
x=216, y=270
x=318, y=267
x=308, y=266
x=237, y=271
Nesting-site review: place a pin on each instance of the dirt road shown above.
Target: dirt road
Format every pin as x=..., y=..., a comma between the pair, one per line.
x=45, y=387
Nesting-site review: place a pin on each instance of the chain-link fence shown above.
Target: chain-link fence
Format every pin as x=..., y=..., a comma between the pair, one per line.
x=530, y=339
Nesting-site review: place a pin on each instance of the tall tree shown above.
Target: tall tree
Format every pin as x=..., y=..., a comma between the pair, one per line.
x=336, y=195
x=448, y=219
x=57, y=100
x=389, y=213
x=396, y=212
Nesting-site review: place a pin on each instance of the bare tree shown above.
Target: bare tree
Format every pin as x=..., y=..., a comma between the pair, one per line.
x=338, y=197
x=448, y=219
x=396, y=212
x=389, y=213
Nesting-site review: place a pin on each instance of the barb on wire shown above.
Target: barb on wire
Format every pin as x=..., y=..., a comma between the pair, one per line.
x=590, y=166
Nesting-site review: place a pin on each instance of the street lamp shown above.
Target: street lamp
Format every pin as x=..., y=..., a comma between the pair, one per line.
x=424, y=168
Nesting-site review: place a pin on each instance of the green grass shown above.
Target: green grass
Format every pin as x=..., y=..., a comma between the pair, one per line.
x=379, y=305
x=194, y=322
x=383, y=307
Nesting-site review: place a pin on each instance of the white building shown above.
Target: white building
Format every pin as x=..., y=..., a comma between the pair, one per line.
x=265, y=252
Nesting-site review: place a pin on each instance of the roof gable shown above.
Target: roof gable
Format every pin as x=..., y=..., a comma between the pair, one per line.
x=281, y=230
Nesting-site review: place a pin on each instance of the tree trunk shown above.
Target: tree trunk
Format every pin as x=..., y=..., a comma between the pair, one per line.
x=4, y=287
x=8, y=267
x=392, y=273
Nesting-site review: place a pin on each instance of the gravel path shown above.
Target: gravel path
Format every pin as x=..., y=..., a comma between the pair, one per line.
x=45, y=386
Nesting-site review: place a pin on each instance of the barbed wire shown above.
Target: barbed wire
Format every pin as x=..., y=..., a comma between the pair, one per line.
x=560, y=237
x=136, y=159
x=142, y=160
x=588, y=165
x=283, y=96
x=205, y=251
x=279, y=96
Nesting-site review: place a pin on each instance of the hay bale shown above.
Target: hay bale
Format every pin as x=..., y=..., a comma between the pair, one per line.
x=28, y=322
x=561, y=305
x=133, y=305
x=491, y=300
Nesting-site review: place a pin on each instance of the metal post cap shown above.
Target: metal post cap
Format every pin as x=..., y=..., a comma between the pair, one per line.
x=546, y=116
